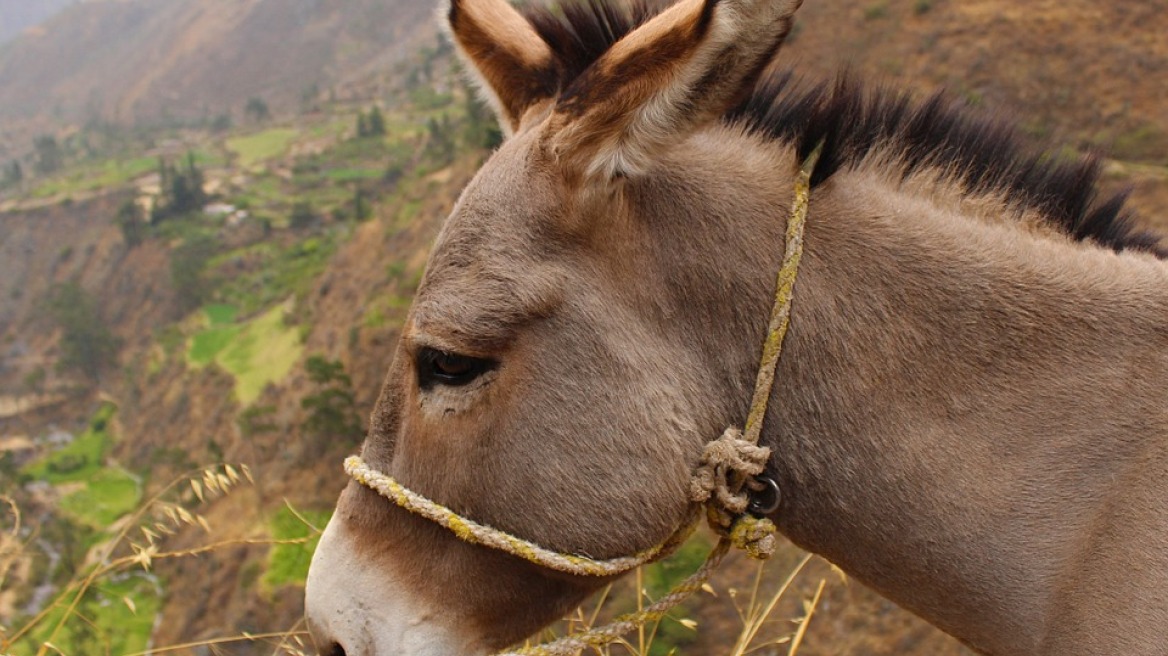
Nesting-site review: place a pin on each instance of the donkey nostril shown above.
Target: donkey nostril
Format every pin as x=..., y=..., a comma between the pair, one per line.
x=334, y=650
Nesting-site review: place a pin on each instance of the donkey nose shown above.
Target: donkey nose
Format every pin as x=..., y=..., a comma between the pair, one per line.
x=322, y=639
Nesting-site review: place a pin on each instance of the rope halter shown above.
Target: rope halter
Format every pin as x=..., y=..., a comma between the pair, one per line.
x=727, y=481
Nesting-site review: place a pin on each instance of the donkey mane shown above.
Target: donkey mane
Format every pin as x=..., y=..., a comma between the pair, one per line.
x=983, y=155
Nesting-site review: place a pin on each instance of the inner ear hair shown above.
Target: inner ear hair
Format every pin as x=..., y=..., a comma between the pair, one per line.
x=512, y=66
x=680, y=70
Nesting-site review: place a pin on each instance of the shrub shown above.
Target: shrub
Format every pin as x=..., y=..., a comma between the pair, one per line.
x=188, y=265
x=876, y=11
x=332, y=408
x=86, y=343
x=303, y=215
x=130, y=222
x=257, y=419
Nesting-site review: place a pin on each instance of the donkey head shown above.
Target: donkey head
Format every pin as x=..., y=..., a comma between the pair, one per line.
x=565, y=358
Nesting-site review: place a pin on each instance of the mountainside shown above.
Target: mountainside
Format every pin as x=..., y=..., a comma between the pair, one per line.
x=152, y=59
x=1072, y=71
x=18, y=15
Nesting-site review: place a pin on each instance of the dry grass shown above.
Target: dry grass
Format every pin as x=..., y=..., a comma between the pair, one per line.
x=139, y=544
x=756, y=610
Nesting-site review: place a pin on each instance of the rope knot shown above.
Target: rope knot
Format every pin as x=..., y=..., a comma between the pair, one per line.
x=721, y=479
x=755, y=536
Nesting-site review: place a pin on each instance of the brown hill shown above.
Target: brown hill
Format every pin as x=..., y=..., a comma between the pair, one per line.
x=148, y=59
x=74, y=242
x=1072, y=70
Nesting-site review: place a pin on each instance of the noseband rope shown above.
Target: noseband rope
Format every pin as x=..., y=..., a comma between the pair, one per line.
x=725, y=479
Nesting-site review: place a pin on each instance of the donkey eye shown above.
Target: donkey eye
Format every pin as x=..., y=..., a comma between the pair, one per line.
x=440, y=367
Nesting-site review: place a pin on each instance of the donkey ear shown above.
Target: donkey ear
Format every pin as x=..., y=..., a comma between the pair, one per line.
x=512, y=65
x=677, y=72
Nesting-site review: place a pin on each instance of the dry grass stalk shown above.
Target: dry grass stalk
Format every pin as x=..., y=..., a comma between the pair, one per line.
x=10, y=546
x=282, y=642
x=755, y=615
x=162, y=515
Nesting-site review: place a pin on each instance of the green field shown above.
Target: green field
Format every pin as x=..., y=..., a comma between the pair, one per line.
x=256, y=353
x=354, y=175
x=264, y=352
x=208, y=343
x=107, y=174
x=116, y=617
x=285, y=272
x=110, y=494
x=221, y=314
x=81, y=459
x=91, y=177
x=257, y=148
x=288, y=563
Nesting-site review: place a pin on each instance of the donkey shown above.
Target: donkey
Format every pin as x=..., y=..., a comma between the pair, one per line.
x=969, y=414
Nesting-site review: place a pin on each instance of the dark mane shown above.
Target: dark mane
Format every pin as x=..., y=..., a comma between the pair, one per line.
x=983, y=155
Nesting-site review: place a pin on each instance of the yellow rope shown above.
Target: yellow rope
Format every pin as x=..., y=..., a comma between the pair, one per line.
x=784, y=293
x=480, y=534
x=726, y=465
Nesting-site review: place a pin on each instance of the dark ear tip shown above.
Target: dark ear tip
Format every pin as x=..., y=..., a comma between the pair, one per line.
x=708, y=11
x=455, y=9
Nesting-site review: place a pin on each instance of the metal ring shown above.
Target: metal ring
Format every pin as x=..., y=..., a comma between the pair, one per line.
x=766, y=500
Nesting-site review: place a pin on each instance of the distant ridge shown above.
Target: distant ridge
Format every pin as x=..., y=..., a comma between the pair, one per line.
x=148, y=59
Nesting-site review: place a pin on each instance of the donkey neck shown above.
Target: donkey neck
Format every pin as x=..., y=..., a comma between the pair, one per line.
x=956, y=400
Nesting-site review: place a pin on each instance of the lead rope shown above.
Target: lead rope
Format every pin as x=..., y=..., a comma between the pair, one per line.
x=722, y=482
x=728, y=464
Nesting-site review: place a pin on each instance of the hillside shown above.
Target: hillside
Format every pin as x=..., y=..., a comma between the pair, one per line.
x=1071, y=70
x=227, y=317
x=190, y=59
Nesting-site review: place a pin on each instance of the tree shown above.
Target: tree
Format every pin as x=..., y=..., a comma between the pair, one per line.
x=376, y=122
x=360, y=205
x=303, y=215
x=182, y=189
x=258, y=419
x=49, y=156
x=310, y=97
x=13, y=175
x=481, y=130
x=221, y=123
x=188, y=264
x=332, y=408
x=130, y=222
x=371, y=124
x=440, y=146
x=257, y=110
x=86, y=343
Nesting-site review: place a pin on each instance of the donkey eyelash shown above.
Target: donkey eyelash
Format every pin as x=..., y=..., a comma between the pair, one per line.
x=438, y=367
